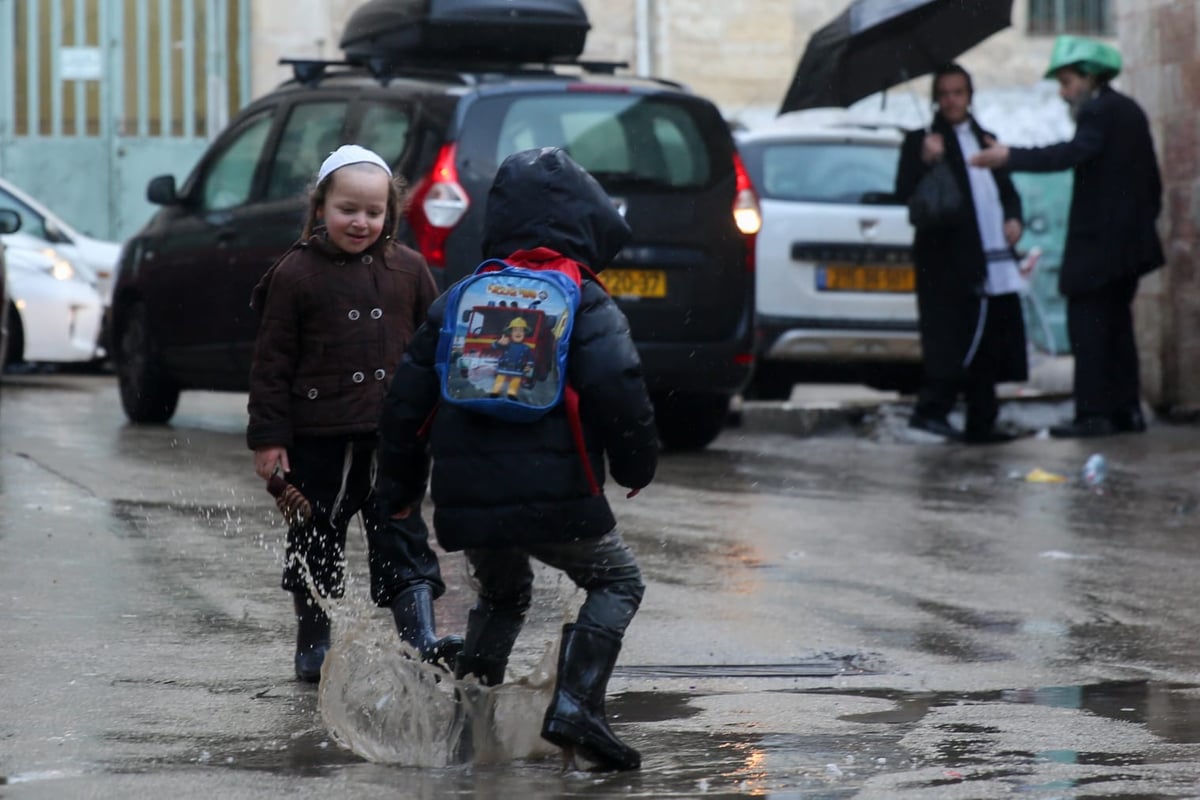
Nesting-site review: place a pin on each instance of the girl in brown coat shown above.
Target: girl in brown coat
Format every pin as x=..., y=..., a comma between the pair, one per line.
x=338, y=310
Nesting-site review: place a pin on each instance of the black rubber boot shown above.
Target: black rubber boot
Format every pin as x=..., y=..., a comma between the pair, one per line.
x=575, y=719
x=491, y=633
x=312, y=637
x=413, y=612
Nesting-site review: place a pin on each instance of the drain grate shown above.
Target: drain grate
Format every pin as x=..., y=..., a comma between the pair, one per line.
x=801, y=669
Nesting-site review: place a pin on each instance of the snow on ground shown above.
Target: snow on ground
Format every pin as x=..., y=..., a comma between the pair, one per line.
x=1021, y=116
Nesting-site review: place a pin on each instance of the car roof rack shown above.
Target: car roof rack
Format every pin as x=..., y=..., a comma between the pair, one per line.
x=310, y=71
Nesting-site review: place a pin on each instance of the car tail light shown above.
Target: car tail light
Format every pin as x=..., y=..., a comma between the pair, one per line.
x=746, y=214
x=439, y=202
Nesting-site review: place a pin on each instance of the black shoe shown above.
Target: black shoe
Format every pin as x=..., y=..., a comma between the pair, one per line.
x=575, y=720
x=934, y=425
x=1129, y=421
x=990, y=436
x=312, y=637
x=413, y=612
x=1084, y=428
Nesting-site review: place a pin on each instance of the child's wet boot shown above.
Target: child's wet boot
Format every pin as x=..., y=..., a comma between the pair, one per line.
x=312, y=637
x=575, y=720
x=491, y=633
x=413, y=612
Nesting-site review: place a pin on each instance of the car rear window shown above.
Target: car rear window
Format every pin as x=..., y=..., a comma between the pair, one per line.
x=620, y=138
x=823, y=172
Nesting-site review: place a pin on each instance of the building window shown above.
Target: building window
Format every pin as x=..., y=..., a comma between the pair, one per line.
x=1088, y=17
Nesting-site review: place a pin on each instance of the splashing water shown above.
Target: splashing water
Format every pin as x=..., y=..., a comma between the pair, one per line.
x=379, y=701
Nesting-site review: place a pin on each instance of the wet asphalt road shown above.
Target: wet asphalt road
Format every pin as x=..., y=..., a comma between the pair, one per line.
x=862, y=613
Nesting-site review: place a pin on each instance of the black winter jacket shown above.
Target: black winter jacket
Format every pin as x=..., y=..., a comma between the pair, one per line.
x=502, y=484
x=1116, y=198
x=950, y=262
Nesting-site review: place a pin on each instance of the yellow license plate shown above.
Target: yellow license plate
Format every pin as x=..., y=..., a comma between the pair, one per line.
x=866, y=278
x=635, y=282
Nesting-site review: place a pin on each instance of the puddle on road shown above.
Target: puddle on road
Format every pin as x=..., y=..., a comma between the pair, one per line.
x=1171, y=711
x=976, y=753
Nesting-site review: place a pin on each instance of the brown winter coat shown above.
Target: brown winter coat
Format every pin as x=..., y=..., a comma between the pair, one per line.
x=334, y=327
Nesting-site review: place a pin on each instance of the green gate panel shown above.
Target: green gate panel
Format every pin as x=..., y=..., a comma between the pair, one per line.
x=99, y=96
x=1046, y=198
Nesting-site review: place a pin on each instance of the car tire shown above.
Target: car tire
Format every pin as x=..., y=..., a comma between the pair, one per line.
x=902, y=380
x=14, y=347
x=770, y=383
x=148, y=394
x=690, y=421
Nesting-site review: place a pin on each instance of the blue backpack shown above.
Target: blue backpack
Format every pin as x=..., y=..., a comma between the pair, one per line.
x=502, y=348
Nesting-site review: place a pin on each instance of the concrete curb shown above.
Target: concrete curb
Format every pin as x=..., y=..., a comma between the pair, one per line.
x=823, y=408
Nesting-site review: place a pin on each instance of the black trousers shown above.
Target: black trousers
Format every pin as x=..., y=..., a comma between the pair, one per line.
x=1100, y=328
x=336, y=474
x=999, y=355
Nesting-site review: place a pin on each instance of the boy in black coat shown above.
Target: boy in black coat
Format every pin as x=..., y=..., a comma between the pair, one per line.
x=1111, y=235
x=506, y=491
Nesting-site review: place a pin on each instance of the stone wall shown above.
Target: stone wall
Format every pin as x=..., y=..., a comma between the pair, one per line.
x=1160, y=41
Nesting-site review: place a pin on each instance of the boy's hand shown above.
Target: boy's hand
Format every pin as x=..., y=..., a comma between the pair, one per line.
x=993, y=157
x=267, y=458
x=403, y=513
x=933, y=148
x=632, y=494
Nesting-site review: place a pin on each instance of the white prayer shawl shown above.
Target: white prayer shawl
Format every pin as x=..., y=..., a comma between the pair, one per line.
x=1003, y=275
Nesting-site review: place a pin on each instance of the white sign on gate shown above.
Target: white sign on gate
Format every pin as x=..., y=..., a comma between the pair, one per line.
x=80, y=64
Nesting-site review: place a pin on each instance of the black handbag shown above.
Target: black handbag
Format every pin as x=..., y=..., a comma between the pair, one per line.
x=937, y=201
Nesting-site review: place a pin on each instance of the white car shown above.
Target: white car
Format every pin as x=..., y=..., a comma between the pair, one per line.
x=835, y=281
x=54, y=311
x=96, y=259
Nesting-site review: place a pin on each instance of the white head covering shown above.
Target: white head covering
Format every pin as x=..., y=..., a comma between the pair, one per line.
x=349, y=154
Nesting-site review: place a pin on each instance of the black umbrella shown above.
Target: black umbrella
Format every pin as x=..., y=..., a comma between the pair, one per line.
x=876, y=44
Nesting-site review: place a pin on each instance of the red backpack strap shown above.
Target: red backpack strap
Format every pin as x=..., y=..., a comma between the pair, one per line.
x=571, y=399
x=427, y=425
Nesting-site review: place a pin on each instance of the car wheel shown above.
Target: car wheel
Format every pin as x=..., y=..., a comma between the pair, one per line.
x=14, y=348
x=769, y=383
x=147, y=392
x=690, y=421
x=903, y=380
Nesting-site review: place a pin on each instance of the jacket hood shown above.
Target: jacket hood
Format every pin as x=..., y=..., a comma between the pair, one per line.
x=542, y=198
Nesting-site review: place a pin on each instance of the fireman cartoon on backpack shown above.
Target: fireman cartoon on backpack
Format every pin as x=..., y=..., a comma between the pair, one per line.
x=516, y=359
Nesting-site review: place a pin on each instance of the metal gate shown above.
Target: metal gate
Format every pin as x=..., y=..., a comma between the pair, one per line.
x=98, y=96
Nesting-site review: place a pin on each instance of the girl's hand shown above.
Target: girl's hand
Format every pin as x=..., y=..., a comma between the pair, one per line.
x=266, y=459
x=632, y=494
x=403, y=513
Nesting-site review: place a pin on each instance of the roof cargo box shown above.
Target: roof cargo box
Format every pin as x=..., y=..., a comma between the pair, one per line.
x=467, y=30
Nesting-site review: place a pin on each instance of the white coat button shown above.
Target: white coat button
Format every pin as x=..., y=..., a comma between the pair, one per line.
x=376, y=313
x=354, y=315
x=358, y=377
x=380, y=374
x=312, y=394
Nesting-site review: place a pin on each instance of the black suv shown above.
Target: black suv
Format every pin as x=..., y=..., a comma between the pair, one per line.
x=181, y=318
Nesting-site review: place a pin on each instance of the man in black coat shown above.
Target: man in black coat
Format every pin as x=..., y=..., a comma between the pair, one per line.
x=972, y=330
x=506, y=491
x=1111, y=236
